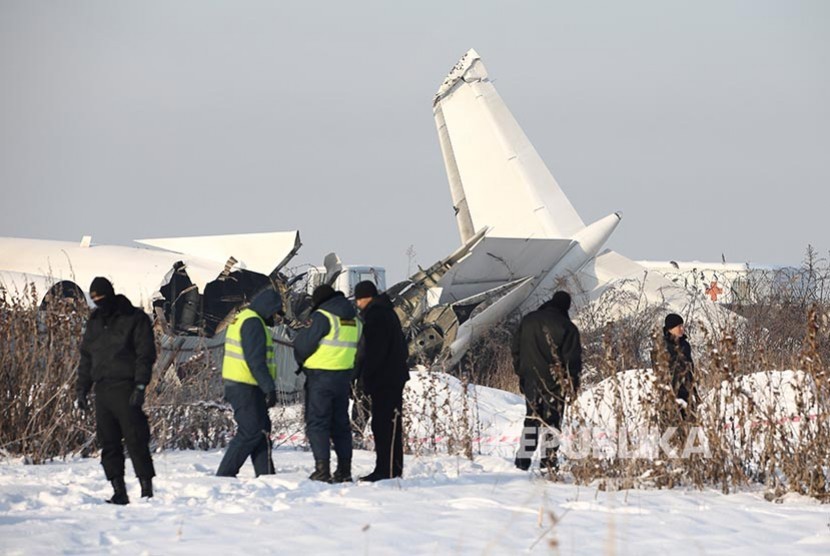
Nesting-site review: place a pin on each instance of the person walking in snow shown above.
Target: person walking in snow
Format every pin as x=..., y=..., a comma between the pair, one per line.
x=248, y=371
x=383, y=372
x=117, y=355
x=547, y=357
x=325, y=351
x=679, y=353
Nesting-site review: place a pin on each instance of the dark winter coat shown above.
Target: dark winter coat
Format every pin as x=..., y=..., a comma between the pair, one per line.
x=680, y=364
x=265, y=304
x=118, y=345
x=546, y=349
x=308, y=339
x=383, y=350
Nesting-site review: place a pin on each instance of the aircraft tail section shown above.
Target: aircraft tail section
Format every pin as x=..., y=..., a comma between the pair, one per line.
x=496, y=177
x=496, y=261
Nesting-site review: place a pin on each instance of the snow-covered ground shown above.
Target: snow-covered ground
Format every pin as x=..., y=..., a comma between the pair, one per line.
x=444, y=505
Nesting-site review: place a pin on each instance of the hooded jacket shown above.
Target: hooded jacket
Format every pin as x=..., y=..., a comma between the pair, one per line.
x=308, y=339
x=535, y=358
x=118, y=345
x=383, y=350
x=265, y=304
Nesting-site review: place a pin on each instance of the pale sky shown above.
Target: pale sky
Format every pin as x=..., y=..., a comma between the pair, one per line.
x=706, y=122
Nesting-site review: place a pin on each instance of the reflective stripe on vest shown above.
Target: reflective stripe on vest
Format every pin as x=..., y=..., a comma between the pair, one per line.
x=338, y=348
x=234, y=366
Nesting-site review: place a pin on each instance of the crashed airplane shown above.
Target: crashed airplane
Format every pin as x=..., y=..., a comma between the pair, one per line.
x=521, y=237
x=520, y=240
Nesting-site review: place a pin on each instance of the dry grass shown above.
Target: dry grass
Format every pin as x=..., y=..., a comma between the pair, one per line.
x=759, y=427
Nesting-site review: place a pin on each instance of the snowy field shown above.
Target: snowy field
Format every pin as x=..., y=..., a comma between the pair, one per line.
x=444, y=505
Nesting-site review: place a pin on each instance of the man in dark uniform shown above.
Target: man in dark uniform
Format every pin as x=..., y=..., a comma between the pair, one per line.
x=547, y=357
x=248, y=371
x=117, y=355
x=383, y=374
x=681, y=366
x=326, y=352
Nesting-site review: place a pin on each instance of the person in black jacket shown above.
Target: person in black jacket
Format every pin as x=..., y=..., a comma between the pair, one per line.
x=250, y=390
x=117, y=355
x=681, y=365
x=325, y=352
x=547, y=357
x=383, y=373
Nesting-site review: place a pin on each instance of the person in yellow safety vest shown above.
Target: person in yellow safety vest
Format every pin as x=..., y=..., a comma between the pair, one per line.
x=249, y=371
x=326, y=353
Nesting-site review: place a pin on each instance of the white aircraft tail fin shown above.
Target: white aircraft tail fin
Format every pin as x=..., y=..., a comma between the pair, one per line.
x=497, y=178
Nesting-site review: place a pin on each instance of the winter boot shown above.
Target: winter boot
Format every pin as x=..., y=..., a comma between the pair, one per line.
x=146, y=487
x=522, y=463
x=322, y=471
x=119, y=492
x=375, y=476
x=343, y=473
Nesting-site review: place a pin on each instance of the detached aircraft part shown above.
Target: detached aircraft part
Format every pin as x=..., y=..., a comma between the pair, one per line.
x=498, y=180
x=411, y=297
x=496, y=312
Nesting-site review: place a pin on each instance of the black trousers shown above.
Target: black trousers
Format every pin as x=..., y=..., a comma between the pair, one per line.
x=253, y=431
x=327, y=413
x=387, y=427
x=117, y=423
x=540, y=413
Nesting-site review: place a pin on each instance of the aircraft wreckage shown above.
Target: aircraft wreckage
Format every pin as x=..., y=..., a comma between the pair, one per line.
x=520, y=239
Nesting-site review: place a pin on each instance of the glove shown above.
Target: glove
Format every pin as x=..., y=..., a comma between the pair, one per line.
x=81, y=402
x=137, y=397
x=271, y=398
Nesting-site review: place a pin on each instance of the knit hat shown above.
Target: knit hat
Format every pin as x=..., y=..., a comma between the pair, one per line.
x=561, y=300
x=321, y=295
x=365, y=289
x=672, y=320
x=101, y=287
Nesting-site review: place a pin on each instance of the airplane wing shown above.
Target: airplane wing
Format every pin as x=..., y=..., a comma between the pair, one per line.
x=260, y=252
x=497, y=178
x=496, y=261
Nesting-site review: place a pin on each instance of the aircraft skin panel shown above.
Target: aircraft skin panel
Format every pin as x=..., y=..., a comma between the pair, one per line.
x=496, y=261
x=459, y=200
x=491, y=315
x=647, y=287
x=136, y=272
x=259, y=252
x=506, y=185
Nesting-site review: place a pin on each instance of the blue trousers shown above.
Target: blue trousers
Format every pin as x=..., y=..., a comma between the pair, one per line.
x=253, y=430
x=327, y=413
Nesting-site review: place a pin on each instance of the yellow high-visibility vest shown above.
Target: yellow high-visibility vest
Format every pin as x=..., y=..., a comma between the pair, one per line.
x=338, y=348
x=234, y=366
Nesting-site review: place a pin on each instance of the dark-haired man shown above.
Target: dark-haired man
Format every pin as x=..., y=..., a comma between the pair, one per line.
x=681, y=366
x=383, y=373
